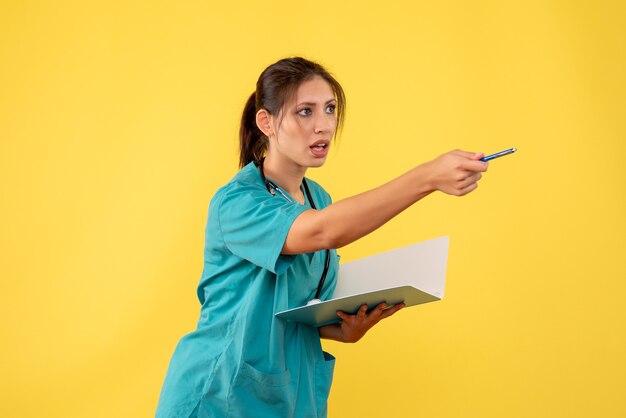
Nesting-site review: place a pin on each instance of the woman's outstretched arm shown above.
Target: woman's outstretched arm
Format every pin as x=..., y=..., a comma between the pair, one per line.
x=455, y=173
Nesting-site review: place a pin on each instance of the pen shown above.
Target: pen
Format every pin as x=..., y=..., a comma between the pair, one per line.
x=499, y=154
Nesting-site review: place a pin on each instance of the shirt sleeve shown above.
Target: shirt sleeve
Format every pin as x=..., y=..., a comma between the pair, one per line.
x=255, y=224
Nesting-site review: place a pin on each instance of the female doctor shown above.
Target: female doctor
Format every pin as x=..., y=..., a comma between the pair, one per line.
x=270, y=245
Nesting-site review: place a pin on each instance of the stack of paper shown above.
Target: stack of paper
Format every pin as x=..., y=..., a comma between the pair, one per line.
x=414, y=275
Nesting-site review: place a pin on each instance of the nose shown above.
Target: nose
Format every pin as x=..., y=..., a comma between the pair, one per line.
x=325, y=124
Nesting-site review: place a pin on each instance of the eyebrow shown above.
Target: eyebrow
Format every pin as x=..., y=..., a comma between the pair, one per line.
x=313, y=103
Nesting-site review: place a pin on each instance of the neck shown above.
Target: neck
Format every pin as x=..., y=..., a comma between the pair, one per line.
x=287, y=176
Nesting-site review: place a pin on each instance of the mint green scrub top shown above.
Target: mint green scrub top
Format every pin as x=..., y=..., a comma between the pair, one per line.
x=241, y=361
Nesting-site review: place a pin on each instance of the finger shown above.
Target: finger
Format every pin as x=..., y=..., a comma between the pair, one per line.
x=388, y=312
x=474, y=165
x=344, y=316
x=362, y=311
x=473, y=178
x=464, y=154
x=470, y=155
x=467, y=189
x=374, y=314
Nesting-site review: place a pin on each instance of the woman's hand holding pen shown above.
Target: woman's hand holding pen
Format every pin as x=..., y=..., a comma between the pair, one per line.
x=353, y=327
x=456, y=172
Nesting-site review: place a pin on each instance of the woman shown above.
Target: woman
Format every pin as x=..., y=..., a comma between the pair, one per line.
x=271, y=235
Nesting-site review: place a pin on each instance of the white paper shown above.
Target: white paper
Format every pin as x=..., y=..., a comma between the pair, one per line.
x=414, y=275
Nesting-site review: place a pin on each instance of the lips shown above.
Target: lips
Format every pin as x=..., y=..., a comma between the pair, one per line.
x=320, y=148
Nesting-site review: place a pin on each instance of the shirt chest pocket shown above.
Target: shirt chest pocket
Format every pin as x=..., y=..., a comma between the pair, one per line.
x=258, y=393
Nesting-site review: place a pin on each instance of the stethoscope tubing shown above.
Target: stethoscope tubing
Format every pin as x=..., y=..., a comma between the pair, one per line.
x=273, y=188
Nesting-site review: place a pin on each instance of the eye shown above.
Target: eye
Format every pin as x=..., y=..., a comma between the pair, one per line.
x=304, y=111
x=330, y=108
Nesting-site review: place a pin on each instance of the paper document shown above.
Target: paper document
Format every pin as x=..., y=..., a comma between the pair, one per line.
x=414, y=274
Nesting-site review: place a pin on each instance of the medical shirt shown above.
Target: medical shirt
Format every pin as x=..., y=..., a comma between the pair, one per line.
x=241, y=361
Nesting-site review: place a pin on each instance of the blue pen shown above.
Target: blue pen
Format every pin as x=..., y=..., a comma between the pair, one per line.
x=499, y=154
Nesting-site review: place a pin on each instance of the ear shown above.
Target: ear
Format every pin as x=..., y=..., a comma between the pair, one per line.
x=264, y=122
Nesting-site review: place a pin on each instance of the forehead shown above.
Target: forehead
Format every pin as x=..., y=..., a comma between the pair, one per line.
x=313, y=91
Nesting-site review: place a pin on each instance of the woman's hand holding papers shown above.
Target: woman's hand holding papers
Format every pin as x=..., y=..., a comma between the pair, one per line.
x=353, y=327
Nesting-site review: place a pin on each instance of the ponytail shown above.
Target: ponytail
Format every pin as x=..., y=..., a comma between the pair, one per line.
x=252, y=142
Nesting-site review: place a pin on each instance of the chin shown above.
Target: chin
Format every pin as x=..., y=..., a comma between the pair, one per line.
x=317, y=162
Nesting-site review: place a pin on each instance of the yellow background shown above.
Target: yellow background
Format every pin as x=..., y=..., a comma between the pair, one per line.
x=118, y=122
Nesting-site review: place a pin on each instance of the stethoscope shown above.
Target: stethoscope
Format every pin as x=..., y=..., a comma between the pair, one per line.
x=273, y=188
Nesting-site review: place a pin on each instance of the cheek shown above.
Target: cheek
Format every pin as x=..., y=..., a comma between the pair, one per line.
x=293, y=134
x=291, y=125
x=332, y=120
x=300, y=129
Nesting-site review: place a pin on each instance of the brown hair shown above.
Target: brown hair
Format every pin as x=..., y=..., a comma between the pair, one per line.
x=275, y=85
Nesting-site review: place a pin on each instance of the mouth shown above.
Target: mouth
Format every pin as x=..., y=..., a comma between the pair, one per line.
x=319, y=149
x=320, y=146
